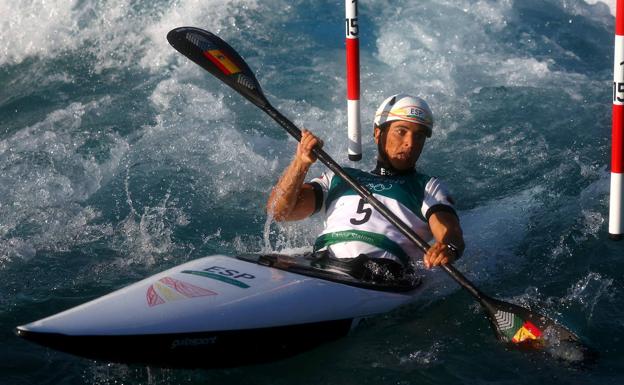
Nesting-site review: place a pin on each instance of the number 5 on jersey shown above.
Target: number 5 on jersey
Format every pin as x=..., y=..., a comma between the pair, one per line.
x=361, y=210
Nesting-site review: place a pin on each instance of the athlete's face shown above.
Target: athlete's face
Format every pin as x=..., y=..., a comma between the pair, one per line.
x=403, y=143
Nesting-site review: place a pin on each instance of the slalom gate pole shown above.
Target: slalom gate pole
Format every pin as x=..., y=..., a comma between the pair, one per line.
x=616, y=226
x=353, y=80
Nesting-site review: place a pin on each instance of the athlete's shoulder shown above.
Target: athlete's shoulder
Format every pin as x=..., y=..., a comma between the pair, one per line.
x=324, y=180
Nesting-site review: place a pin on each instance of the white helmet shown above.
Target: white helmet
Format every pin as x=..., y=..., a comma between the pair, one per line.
x=407, y=108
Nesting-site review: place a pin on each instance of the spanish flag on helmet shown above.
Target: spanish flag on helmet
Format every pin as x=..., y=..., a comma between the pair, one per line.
x=405, y=107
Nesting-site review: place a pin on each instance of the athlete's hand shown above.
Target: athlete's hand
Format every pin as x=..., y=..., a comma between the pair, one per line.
x=437, y=255
x=305, y=147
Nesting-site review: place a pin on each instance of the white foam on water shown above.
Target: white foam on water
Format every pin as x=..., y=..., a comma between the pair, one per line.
x=40, y=28
x=212, y=15
x=204, y=125
x=118, y=33
x=423, y=358
x=608, y=3
x=588, y=291
x=195, y=131
x=442, y=51
x=179, y=138
x=143, y=236
x=176, y=97
x=424, y=52
x=47, y=175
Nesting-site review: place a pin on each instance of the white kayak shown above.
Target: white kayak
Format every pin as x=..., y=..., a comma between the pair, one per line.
x=220, y=311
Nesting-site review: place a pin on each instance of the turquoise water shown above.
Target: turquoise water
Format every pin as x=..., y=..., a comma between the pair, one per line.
x=119, y=158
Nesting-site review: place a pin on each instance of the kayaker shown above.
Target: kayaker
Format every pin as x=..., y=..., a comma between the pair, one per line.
x=352, y=227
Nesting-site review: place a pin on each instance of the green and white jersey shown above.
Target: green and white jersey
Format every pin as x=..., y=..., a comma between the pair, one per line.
x=353, y=227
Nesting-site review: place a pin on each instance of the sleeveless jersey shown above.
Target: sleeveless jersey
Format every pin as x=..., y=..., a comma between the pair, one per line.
x=353, y=227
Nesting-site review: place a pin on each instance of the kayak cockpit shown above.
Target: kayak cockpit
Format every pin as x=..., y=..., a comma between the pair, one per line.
x=331, y=269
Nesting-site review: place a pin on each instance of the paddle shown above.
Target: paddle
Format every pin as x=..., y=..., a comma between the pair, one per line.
x=512, y=324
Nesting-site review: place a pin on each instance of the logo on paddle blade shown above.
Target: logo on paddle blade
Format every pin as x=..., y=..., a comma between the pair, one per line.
x=528, y=331
x=516, y=329
x=504, y=320
x=168, y=289
x=222, y=61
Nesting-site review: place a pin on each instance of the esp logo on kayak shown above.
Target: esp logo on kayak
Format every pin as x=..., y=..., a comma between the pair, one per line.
x=223, y=274
x=229, y=272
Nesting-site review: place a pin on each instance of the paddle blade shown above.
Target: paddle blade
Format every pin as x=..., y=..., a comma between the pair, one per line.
x=525, y=329
x=217, y=57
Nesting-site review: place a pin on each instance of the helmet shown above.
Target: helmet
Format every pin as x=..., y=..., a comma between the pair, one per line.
x=407, y=108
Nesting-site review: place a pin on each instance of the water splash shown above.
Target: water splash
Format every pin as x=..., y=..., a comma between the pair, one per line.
x=423, y=358
x=588, y=291
x=147, y=234
x=568, y=351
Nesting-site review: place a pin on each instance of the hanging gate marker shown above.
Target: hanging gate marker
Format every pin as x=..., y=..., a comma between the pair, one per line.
x=616, y=226
x=353, y=80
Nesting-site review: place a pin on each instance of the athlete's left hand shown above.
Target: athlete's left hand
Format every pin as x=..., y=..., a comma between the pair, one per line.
x=438, y=254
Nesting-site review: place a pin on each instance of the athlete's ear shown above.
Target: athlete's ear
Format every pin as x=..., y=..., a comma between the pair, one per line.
x=377, y=133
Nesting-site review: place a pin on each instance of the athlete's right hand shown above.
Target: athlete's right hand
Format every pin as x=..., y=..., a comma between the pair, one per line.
x=305, y=147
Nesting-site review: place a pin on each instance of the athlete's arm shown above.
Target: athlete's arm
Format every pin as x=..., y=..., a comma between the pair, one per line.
x=290, y=198
x=446, y=230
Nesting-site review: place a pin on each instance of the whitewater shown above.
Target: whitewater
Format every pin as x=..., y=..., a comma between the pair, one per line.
x=119, y=158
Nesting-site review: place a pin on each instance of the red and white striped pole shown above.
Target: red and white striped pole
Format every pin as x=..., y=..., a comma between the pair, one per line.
x=353, y=80
x=616, y=226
